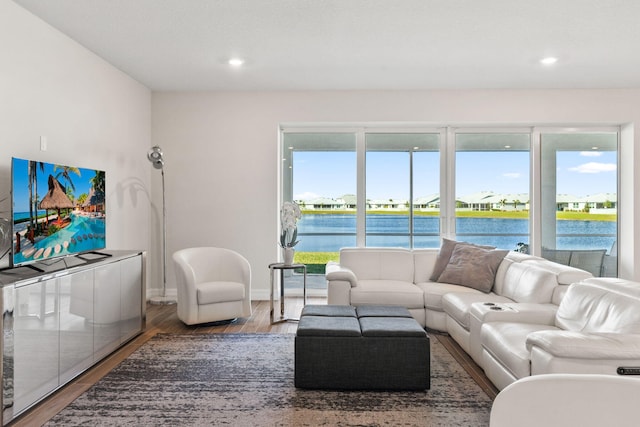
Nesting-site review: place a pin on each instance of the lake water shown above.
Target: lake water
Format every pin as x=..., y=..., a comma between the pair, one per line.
x=330, y=232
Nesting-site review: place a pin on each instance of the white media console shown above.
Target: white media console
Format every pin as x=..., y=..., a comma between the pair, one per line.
x=62, y=318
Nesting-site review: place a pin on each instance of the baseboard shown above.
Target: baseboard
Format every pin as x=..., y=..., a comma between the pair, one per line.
x=173, y=293
x=256, y=295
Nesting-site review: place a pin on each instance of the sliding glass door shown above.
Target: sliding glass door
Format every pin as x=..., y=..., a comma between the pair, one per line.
x=319, y=173
x=492, y=188
x=579, y=199
x=402, y=189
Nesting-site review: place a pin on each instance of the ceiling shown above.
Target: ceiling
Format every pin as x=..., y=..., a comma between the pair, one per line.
x=176, y=45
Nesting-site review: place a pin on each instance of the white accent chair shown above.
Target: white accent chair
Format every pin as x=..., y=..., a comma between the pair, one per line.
x=213, y=284
x=561, y=400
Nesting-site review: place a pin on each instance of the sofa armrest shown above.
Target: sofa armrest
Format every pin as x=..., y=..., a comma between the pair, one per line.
x=340, y=280
x=539, y=314
x=556, y=400
x=336, y=272
x=579, y=345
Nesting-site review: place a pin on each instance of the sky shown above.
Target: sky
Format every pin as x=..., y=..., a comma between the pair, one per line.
x=21, y=182
x=333, y=174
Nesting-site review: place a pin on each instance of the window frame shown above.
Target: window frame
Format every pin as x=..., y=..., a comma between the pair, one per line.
x=447, y=166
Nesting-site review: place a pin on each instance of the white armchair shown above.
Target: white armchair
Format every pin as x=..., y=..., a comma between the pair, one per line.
x=559, y=400
x=213, y=284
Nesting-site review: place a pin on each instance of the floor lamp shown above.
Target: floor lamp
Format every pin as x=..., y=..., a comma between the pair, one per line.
x=155, y=156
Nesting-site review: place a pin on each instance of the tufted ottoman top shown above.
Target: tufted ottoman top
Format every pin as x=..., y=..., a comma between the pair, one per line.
x=365, y=321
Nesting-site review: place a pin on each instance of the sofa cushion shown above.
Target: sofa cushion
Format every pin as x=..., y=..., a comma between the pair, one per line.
x=524, y=282
x=472, y=266
x=566, y=275
x=458, y=304
x=445, y=255
x=378, y=263
x=596, y=308
x=507, y=343
x=615, y=284
x=388, y=292
x=424, y=261
x=434, y=291
x=519, y=256
x=501, y=273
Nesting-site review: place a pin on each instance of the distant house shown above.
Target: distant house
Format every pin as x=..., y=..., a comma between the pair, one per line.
x=430, y=202
x=480, y=201
x=596, y=203
x=391, y=204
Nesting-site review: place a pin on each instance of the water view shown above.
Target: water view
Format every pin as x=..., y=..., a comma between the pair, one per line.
x=330, y=232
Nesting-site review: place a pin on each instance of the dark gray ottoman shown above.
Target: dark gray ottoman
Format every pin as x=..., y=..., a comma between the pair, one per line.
x=363, y=348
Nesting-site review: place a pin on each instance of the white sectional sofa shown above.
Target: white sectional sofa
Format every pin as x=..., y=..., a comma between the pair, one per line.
x=395, y=276
x=596, y=330
x=538, y=317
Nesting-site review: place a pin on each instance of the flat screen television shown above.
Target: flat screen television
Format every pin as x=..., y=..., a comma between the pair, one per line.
x=57, y=211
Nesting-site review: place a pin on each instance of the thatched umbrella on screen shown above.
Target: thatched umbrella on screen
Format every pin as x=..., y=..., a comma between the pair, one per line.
x=55, y=198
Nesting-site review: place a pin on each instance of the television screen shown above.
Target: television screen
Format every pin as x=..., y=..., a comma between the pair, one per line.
x=58, y=210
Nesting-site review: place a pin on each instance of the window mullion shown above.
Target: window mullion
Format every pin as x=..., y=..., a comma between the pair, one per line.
x=361, y=196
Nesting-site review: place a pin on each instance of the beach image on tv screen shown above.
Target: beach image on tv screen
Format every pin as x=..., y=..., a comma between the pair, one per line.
x=57, y=210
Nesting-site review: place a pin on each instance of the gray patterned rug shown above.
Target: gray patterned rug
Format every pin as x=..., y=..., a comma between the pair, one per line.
x=247, y=380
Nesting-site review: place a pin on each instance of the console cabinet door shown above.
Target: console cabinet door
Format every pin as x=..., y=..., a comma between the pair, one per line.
x=131, y=297
x=35, y=342
x=76, y=324
x=106, y=305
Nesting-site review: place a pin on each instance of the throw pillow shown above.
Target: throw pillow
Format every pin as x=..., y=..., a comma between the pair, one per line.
x=445, y=254
x=473, y=267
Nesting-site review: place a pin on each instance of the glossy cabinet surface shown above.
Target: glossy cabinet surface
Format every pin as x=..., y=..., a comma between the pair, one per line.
x=35, y=342
x=57, y=324
x=76, y=329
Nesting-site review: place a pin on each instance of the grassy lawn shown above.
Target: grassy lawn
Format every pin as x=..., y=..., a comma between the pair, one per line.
x=576, y=216
x=316, y=261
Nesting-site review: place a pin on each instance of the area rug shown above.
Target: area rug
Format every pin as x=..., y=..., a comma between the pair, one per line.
x=247, y=380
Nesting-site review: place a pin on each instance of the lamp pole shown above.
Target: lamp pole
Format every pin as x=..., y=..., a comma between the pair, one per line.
x=155, y=155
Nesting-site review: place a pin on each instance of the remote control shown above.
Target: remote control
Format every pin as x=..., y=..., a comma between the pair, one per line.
x=629, y=370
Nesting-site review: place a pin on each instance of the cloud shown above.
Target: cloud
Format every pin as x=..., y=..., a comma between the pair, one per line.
x=590, y=153
x=594, y=167
x=305, y=196
x=513, y=175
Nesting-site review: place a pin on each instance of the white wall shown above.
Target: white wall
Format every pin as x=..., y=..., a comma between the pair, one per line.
x=92, y=114
x=221, y=150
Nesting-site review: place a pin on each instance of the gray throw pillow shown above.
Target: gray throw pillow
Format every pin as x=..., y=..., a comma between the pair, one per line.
x=473, y=267
x=445, y=254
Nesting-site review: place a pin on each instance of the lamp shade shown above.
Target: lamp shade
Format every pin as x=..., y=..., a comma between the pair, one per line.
x=155, y=156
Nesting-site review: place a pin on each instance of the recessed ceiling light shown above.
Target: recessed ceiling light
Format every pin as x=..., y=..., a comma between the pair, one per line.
x=549, y=60
x=236, y=62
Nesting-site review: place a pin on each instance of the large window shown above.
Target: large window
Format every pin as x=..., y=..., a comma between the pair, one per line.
x=579, y=207
x=402, y=189
x=543, y=191
x=492, y=188
x=319, y=171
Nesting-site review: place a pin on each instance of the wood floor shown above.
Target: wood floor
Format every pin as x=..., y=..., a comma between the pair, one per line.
x=163, y=319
